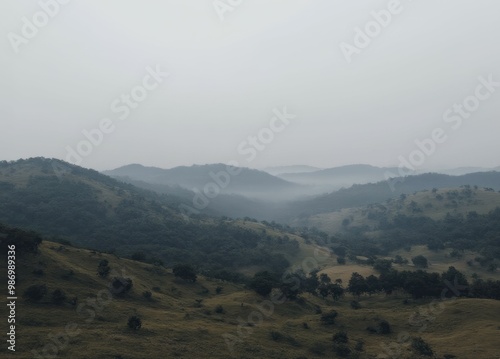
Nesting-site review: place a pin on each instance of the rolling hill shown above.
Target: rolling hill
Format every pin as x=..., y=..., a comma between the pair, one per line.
x=436, y=204
x=95, y=211
x=220, y=320
x=216, y=178
x=372, y=193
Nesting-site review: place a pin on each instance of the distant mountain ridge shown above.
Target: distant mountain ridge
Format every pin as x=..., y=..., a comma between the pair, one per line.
x=372, y=193
x=214, y=177
x=338, y=177
x=281, y=170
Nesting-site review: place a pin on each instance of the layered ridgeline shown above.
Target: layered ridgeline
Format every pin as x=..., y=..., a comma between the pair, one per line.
x=95, y=211
x=224, y=179
x=285, y=197
x=372, y=193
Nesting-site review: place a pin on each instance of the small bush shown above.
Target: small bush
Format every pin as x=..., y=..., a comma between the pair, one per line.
x=147, y=294
x=134, y=322
x=219, y=309
x=305, y=325
x=120, y=286
x=421, y=347
x=276, y=336
x=359, y=345
x=384, y=327
x=103, y=269
x=58, y=297
x=355, y=305
x=420, y=261
x=371, y=330
x=329, y=318
x=35, y=292
x=218, y=290
x=342, y=350
x=341, y=338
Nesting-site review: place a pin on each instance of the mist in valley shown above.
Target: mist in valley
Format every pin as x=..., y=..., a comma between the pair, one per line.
x=266, y=179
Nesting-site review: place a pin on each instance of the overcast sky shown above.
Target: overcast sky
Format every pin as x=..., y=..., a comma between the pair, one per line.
x=231, y=68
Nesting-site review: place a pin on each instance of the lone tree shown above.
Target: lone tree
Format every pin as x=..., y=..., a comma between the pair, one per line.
x=134, y=322
x=120, y=286
x=185, y=272
x=357, y=284
x=103, y=269
x=263, y=283
x=420, y=261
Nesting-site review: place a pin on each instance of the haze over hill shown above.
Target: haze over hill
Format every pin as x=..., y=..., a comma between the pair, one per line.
x=282, y=170
x=241, y=264
x=292, y=195
x=228, y=180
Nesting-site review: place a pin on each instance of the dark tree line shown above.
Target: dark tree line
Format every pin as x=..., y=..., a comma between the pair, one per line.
x=420, y=284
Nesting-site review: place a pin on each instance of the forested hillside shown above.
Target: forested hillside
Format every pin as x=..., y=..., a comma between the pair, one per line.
x=95, y=211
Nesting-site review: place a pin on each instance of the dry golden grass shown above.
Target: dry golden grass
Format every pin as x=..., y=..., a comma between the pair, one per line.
x=181, y=322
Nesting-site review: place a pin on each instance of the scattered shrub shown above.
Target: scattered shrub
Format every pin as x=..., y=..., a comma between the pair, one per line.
x=219, y=309
x=355, y=304
x=341, y=338
x=120, y=286
x=329, y=318
x=134, y=322
x=276, y=336
x=421, y=347
x=384, y=327
x=359, y=345
x=35, y=292
x=103, y=269
x=342, y=350
x=147, y=294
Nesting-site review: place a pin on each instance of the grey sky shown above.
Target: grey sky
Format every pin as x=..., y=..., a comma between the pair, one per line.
x=226, y=77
